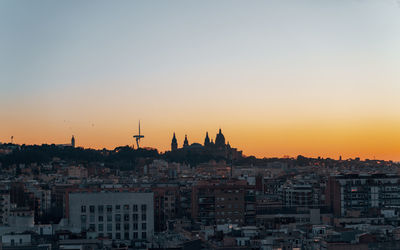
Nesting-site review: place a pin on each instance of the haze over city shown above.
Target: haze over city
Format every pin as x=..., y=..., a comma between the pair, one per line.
x=313, y=78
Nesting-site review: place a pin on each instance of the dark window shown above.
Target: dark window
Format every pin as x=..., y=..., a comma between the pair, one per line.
x=109, y=208
x=83, y=209
x=134, y=207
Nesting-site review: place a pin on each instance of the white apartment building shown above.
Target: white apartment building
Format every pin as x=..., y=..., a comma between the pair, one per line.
x=116, y=215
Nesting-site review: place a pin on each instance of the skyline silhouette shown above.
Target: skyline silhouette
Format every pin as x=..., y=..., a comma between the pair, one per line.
x=280, y=77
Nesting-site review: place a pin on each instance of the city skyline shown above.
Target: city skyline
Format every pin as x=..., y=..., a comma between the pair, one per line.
x=280, y=78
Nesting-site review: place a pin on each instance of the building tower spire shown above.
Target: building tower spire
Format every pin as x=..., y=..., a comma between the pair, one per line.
x=174, y=143
x=206, y=140
x=185, y=142
x=73, y=141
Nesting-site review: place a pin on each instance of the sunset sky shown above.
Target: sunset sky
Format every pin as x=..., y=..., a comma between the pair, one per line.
x=283, y=77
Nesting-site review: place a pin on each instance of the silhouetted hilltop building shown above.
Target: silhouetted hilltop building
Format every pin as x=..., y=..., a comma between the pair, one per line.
x=174, y=143
x=185, y=142
x=207, y=140
x=217, y=150
x=220, y=140
x=72, y=144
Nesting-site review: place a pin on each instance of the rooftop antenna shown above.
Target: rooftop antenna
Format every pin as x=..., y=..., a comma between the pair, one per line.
x=12, y=139
x=138, y=137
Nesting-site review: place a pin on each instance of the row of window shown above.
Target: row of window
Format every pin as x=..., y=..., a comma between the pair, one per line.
x=117, y=217
x=126, y=235
x=109, y=227
x=109, y=208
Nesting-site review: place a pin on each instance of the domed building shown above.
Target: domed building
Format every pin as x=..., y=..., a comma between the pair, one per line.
x=219, y=149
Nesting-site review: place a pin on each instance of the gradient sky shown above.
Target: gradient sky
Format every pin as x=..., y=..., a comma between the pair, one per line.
x=284, y=77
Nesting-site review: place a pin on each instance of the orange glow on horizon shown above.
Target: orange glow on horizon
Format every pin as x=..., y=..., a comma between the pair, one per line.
x=379, y=139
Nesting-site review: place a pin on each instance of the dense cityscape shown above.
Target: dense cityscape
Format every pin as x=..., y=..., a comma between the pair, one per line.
x=196, y=196
x=200, y=125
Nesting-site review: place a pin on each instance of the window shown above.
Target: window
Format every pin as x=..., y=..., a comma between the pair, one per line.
x=100, y=235
x=126, y=217
x=143, y=226
x=92, y=227
x=144, y=236
x=83, y=218
x=91, y=209
x=135, y=217
x=101, y=218
x=135, y=226
x=109, y=208
x=109, y=217
x=117, y=207
x=100, y=208
x=118, y=236
x=117, y=217
x=118, y=226
x=126, y=235
x=135, y=235
x=100, y=227
x=144, y=207
x=109, y=227
x=143, y=216
x=126, y=227
x=91, y=218
x=126, y=207
x=134, y=207
x=83, y=209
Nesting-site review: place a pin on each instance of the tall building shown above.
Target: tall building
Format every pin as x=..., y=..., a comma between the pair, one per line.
x=362, y=193
x=223, y=201
x=124, y=215
x=4, y=207
x=73, y=141
x=174, y=143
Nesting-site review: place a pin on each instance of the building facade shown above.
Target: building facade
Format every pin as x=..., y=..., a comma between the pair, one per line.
x=223, y=202
x=113, y=215
x=362, y=193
